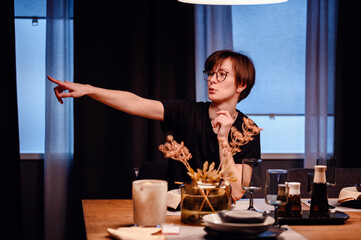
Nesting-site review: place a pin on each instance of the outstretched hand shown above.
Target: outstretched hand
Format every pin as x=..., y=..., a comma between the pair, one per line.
x=75, y=90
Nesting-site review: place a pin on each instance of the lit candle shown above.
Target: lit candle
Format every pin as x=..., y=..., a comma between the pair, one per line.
x=149, y=202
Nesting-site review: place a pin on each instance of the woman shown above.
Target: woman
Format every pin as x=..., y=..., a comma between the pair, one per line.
x=204, y=127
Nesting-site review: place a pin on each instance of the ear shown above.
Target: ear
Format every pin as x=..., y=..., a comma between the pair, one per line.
x=240, y=88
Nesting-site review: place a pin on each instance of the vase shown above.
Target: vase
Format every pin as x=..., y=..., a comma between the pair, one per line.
x=199, y=199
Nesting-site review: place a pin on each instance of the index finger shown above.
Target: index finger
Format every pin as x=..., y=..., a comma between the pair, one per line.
x=224, y=112
x=54, y=80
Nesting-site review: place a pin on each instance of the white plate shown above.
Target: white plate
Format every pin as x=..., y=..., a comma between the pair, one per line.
x=214, y=222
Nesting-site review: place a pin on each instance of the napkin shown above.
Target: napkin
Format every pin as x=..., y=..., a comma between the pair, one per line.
x=173, y=198
x=349, y=194
x=136, y=233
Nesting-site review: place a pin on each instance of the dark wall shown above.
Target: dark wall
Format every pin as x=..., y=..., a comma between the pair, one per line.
x=32, y=191
x=348, y=101
x=10, y=200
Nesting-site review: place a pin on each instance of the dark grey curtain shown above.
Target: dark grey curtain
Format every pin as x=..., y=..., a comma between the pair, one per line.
x=146, y=47
x=10, y=200
x=348, y=101
x=213, y=31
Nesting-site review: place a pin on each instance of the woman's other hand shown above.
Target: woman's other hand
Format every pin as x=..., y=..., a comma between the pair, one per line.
x=223, y=122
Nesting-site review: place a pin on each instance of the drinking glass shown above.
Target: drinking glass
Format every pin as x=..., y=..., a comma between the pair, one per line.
x=251, y=178
x=276, y=189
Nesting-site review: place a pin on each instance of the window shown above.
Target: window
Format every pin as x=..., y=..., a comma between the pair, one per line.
x=30, y=27
x=274, y=36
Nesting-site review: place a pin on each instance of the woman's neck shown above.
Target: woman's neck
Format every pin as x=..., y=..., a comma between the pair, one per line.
x=214, y=108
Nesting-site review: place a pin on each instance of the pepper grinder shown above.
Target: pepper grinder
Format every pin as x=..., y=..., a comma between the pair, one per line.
x=319, y=202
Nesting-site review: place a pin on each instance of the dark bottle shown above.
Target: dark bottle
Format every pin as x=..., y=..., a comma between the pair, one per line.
x=293, y=206
x=282, y=212
x=282, y=196
x=319, y=201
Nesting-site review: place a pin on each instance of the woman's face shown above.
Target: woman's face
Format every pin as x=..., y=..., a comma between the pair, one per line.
x=226, y=90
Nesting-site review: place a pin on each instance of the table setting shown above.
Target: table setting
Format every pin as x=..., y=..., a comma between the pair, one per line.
x=205, y=208
x=104, y=215
x=214, y=227
x=244, y=219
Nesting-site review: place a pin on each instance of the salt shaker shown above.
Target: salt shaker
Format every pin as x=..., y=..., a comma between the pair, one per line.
x=293, y=207
x=319, y=201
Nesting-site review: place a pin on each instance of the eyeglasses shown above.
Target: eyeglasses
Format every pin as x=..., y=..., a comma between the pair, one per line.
x=221, y=75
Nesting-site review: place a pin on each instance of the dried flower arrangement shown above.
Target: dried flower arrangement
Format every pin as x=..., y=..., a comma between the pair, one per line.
x=178, y=151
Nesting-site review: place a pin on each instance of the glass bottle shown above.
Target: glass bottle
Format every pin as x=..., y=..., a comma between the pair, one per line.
x=319, y=201
x=281, y=211
x=293, y=206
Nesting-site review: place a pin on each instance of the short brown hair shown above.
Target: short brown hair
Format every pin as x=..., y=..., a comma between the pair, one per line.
x=243, y=68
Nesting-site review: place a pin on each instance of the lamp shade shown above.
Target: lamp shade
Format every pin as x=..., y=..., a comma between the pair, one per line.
x=232, y=2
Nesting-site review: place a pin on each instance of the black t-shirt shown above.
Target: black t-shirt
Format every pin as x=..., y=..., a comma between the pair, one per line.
x=189, y=122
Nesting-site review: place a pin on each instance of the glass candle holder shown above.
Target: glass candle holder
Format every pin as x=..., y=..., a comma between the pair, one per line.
x=149, y=202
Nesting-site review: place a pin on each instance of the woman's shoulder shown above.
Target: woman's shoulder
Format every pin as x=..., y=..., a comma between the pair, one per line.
x=183, y=103
x=185, y=110
x=243, y=118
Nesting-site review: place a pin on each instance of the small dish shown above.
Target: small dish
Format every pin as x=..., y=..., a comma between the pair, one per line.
x=242, y=216
x=358, y=187
x=214, y=222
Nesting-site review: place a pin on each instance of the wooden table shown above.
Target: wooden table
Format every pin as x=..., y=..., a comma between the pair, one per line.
x=102, y=214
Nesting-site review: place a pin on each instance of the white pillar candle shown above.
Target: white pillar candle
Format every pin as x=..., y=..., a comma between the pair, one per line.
x=149, y=202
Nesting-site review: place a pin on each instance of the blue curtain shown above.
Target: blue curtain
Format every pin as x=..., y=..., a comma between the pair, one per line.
x=59, y=121
x=320, y=73
x=213, y=30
